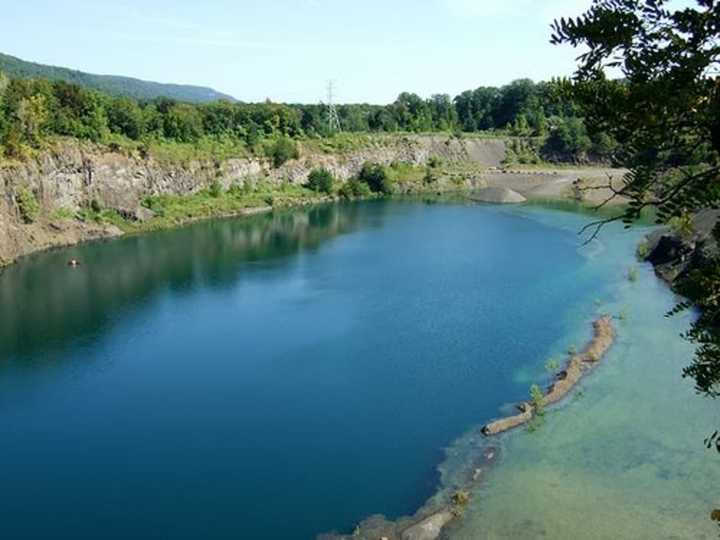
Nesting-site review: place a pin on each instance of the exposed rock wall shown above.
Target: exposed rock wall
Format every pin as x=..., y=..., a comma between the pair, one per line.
x=74, y=174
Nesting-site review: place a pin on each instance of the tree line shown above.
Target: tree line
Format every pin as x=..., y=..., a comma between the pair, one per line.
x=32, y=109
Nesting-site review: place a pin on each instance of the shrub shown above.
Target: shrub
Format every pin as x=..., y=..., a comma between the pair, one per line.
x=321, y=180
x=354, y=188
x=376, y=177
x=27, y=204
x=430, y=176
x=682, y=225
x=215, y=189
x=552, y=365
x=281, y=150
x=643, y=249
x=537, y=400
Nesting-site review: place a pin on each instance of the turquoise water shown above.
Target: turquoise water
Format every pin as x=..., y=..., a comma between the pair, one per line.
x=286, y=375
x=623, y=458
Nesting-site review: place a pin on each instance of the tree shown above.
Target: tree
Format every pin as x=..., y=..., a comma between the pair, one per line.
x=376, y=177
x=568, y=139
x=125, y=117
x=31, y=116
x=281, y=150
x=183, y=123
x=321, y=181
x=665, y=115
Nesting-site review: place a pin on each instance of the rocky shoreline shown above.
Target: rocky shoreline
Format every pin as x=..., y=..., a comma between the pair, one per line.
x=577, y=366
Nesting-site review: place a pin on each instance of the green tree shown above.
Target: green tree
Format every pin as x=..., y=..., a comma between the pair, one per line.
x=320, y=180
x=665, y=115
x=125, y=117
x=568, y=139
x=376, y=177
x=31, y=116
x=183, y=122
x=281, y=150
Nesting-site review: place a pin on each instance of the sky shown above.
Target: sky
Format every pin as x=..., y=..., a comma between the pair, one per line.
x=287, y=50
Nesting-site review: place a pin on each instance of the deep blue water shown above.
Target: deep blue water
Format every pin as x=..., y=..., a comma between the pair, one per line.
x=273, y=377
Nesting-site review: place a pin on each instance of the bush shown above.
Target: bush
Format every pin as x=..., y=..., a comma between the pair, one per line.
x=430, y=176
x=215, y=189
x=27, y=204
x=281, y=150
x=376, y=177
x=321, y=181
x=354, y=188
x=537, y=399
x=643, y=249
x=552, y=365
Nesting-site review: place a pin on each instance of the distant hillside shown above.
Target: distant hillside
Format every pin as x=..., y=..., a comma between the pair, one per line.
x=112, y=84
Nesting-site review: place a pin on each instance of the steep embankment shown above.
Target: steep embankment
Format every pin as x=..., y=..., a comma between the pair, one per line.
x=75, y=175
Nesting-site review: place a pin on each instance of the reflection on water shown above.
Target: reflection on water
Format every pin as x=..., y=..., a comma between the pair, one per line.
x=290, y=374
x=45, y=304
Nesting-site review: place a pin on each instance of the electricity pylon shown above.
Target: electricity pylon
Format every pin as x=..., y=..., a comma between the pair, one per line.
x=333, y=120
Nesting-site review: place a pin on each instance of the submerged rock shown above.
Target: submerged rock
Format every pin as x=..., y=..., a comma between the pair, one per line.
x=429, y=528
x=498, y=195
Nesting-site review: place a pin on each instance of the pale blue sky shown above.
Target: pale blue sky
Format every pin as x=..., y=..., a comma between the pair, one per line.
x=286, y=50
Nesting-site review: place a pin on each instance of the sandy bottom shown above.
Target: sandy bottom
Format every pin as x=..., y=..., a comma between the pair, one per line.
x=624, y=456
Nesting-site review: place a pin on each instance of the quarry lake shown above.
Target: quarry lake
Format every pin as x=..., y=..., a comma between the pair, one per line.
x=290, y=374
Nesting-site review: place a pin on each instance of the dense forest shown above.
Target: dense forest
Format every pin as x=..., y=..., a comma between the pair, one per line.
x=548, y=123
x=112, y=84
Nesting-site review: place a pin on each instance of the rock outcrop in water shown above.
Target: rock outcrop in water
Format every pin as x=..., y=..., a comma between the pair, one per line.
x=674, y=255
x=577, y=366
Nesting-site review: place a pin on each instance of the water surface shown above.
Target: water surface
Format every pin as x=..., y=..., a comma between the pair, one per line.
x=286, y=375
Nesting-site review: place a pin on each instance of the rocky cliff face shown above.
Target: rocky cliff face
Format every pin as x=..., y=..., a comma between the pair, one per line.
x=75, y=174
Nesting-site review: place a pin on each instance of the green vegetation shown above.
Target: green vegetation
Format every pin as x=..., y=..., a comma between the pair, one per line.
x=537, y=402
x=633, y=274
x=321, y=181
x=552, y=365
x=172, y=210
x=682, y=225
x=376, y=177
x=355, y=188
x=643, y=249
x=665, y=116
x=27, y=204
x=118, y=86
x=38, y=102
x=460, y=498
x=281, y=150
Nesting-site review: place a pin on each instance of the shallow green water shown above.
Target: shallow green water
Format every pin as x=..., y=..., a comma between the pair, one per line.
x=623, y=458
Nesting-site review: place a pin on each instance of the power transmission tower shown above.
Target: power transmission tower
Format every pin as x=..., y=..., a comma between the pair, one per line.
x=333, y=120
